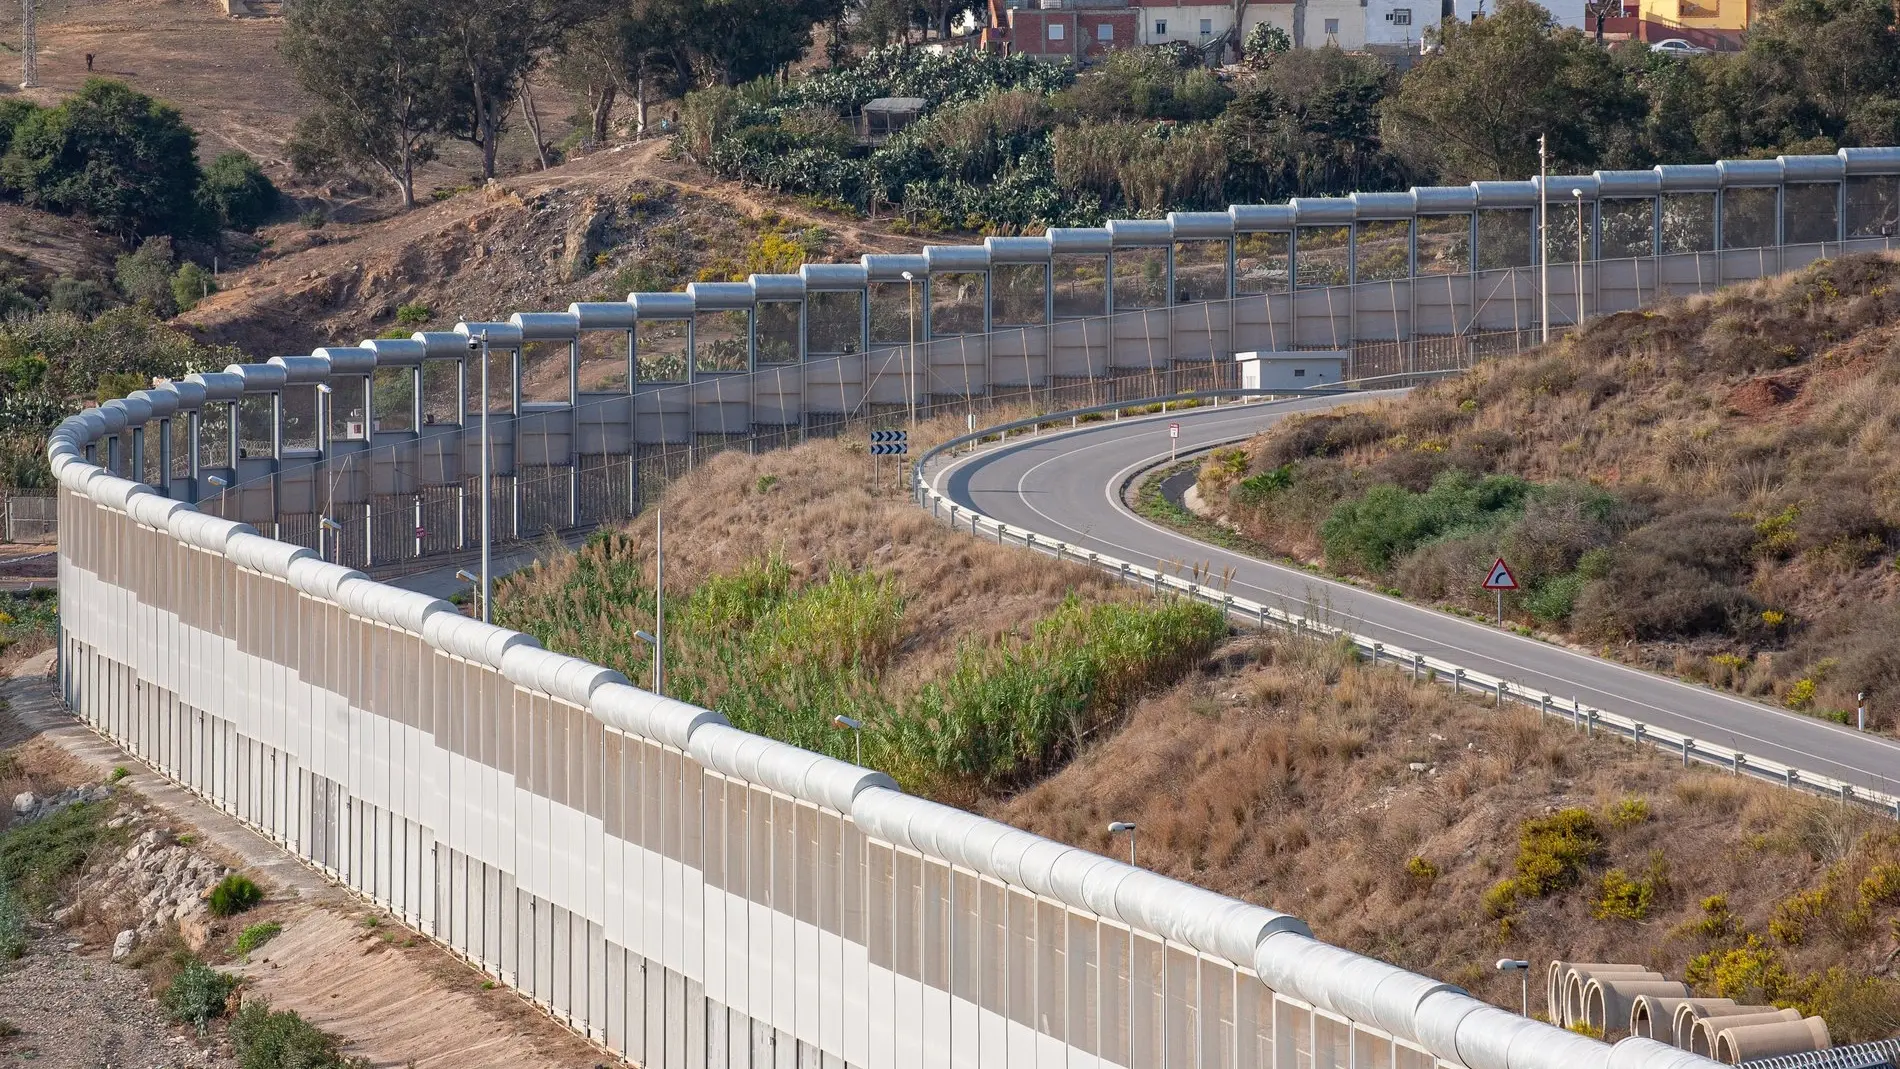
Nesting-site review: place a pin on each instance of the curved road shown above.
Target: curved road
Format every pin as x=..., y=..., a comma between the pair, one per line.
x=1067, y=485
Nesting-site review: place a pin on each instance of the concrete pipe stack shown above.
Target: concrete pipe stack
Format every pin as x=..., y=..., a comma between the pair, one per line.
x=1567, y=984
x=1740, y=1043
x=1652, y=1017
x=1607, y=1000
x=1702, y=1037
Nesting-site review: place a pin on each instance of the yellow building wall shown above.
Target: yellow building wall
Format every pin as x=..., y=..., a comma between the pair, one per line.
x=1729, y=15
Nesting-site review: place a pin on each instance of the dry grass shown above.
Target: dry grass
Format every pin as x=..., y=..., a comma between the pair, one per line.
x=1747, y=442
x=815, y=505
x=1270, y=783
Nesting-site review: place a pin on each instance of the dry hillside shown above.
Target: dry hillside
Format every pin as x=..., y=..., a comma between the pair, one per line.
x=1384, y=812
x=1710, y=487
x=590, y=229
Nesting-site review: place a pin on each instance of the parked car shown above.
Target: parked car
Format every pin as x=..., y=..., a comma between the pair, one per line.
x=1676, y=46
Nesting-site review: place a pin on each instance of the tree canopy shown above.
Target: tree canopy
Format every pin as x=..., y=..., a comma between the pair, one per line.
x=113, y=154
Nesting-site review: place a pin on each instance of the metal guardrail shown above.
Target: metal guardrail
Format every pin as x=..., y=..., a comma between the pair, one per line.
x=1583, y=717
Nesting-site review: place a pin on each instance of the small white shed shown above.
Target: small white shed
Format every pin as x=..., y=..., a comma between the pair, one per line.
x=1291, y=370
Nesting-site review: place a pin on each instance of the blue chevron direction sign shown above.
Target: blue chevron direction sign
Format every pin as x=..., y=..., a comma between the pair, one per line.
x=890, y=449
x=887, y=437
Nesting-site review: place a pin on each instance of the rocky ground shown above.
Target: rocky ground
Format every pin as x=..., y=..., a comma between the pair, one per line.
x=75, y=1008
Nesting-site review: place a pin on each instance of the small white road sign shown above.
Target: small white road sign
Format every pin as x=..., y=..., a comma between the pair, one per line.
x=1174, y=430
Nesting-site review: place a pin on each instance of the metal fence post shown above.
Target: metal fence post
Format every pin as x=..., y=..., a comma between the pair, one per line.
x=1543, y=709
x=1688, y=746
x=1458, y=682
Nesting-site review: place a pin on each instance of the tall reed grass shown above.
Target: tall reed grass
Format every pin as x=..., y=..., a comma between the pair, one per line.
x=782, y=658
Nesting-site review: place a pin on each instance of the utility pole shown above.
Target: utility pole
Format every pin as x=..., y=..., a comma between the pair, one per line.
x=29, y=46
x=1543, y=227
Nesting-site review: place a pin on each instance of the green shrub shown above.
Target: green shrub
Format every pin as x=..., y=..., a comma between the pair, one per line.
x=1717, y=922
x=37, y=859
x=1628, y=813
x=1256, y=489
x=13, y=933
x=1388, y=522
x=190, y=285
x=1795, y=914
x=414, y=315
x=281, y=1039
x=1501, y=900
x=119, y=772
x=256, y=936
x=233, y=895
x=1552, y=851
x=1422, y=873
x=197, y=994
x=81, y=297
x=314, y=219
x=1621, y=898
x=1881, y=887
x=112, y=154
x=236, y=192
x=145, y=277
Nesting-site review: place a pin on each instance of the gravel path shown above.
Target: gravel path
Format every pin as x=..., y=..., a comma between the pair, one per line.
x=77, y=1011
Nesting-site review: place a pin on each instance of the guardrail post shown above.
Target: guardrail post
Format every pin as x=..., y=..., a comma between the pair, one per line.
x=1688, y=746
x=1000, y=528
x=1497, y=694
x=1263, y=617
x=1418, y=666
x=1378, y=650
x=1735, y=763
x=1847, y=793
x=1576, y=712
x=1590, y=724
x=1157, y=584
x=1029, y=540
x=1788, y=778
x=1636, y=733
x=1226, y=606
x=1543, y=709
x=1458, y=681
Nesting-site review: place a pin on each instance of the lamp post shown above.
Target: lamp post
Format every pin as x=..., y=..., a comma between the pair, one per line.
x=910, y=353
x=1116, y=829
x=1125, y=826
x=1577, y=195
x=1523, y=970
x=653, y=641
x=323, y=445
x=1543, y=229
x=472, y=580
x=480, y=344
x=856, y=727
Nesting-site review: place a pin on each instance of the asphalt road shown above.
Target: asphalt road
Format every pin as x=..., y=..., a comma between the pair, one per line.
x=1066, y=485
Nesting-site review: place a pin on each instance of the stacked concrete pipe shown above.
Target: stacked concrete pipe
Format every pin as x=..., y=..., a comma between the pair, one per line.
x=1654, y=1017
x=1695, y=1010
x=1702, y=1037
x=1607, y=1000
x=1577, y=976
x=1740, y=1043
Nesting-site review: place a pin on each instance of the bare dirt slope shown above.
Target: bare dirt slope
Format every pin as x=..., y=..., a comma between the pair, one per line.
x=536, y=241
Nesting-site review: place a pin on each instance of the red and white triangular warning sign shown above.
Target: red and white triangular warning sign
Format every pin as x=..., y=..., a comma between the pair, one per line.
x=1500, y=577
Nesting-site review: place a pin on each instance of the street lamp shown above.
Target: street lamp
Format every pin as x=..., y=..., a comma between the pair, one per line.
x=654, y=642
x=856, y=727
x=473, y=580
x=1543, y=231
x=1577, y=195
x=479, y=343
x=1125, y=826
x=910, y=357
x=1523, y=969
